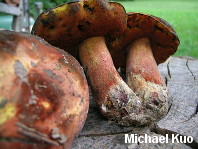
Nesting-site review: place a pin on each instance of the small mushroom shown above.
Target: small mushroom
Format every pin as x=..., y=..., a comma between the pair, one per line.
x=44, y=95
x=81, y=28
x=147, y=41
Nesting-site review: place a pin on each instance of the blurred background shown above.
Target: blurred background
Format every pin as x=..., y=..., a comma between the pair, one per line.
x=181, y=14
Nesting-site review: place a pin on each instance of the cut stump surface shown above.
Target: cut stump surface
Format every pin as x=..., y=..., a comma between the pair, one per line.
x=181, y=77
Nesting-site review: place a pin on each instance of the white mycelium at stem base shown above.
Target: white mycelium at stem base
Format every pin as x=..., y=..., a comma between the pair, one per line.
x=144, y=78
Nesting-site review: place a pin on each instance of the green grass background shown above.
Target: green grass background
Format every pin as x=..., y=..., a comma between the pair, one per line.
x=181, y=14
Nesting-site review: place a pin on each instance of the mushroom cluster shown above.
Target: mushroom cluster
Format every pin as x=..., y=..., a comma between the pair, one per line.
x=44, y=94
x=104, y=38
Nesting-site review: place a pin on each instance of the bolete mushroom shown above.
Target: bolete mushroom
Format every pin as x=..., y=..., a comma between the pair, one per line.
x=146, y=42
x=44, y=94
x=81, y=28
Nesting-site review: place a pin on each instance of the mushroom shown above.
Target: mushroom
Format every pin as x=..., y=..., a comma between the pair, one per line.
x=81, y=28
x=147, y=41
x=67, y=25
x=44, y=95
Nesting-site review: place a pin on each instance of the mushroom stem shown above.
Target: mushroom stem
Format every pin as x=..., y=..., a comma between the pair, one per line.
x=115, y=99
x=144, y=78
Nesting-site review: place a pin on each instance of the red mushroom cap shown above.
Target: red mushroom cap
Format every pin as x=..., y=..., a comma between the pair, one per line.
x=163, y=38
x=44, y=94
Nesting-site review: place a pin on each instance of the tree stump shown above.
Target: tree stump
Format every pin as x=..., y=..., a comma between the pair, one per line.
x=181, y=77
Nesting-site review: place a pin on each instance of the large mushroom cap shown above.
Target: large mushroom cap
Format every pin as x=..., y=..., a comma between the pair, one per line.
x=65, y=26
x=163, y=38
x=44, y=94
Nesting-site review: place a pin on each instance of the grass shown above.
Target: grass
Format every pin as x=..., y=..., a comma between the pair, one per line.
x=181, y=14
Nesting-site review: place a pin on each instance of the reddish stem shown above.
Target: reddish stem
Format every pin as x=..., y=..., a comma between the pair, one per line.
x=141, y=61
